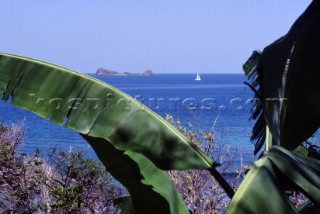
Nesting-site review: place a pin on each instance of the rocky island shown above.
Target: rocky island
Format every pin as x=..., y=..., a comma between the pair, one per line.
x=102, y=71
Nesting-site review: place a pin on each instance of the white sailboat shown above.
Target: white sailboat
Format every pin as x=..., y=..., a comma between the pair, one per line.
x=198, y=78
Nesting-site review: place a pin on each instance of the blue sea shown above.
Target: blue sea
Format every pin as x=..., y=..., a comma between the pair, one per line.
x=219, y=102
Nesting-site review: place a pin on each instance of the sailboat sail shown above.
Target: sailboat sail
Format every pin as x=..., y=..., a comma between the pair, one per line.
x=198, y=77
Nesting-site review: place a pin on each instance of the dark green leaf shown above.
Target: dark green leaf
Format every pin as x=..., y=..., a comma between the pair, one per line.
x=150, y=189
x=289, y=79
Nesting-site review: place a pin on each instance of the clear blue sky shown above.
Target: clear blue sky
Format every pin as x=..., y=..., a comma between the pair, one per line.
x=206, y=36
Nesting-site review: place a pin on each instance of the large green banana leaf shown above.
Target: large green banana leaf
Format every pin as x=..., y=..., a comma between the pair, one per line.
x=263, y=189
x=289, y=74
x=96, y=109
x=129, y=139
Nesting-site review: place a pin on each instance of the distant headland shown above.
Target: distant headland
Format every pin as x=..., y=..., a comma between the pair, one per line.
x=102, y=71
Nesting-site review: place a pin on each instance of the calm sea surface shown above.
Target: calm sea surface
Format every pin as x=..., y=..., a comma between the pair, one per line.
x=219, y=101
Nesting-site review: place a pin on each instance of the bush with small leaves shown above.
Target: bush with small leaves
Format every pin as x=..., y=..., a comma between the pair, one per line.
x=199, y=190
x=64, y=182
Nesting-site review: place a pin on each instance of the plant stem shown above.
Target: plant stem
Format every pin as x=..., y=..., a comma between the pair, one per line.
x=223, y=183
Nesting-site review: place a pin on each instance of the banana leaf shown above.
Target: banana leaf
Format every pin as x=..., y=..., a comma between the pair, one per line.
x=96, y=109
x=131, y=140
x=288, y=77
x=263, y=189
